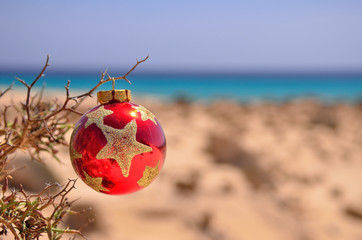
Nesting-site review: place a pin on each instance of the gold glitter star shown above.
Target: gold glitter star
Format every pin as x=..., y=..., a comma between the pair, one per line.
x=73, y=153
x=145, y=113
x=95, y=183
x=97, y=116
x=149, y=174
x=122, y=145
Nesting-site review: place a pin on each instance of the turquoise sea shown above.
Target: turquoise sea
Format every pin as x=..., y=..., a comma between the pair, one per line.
x=205, y=87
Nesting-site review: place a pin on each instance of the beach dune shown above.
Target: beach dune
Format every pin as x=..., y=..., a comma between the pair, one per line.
x=262, y=170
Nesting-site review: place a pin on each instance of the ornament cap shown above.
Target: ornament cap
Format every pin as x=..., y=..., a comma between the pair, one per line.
x=109, y=96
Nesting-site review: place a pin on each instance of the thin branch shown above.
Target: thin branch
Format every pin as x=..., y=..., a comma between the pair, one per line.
x=22, y=81
x=4, y=116
x=6, y=90
x=73, y=111
x=9, y=226
x=50, y=133
x=41, y=74
x=41, y=94
x=67, y=99
x=124, y=77
x=7, y=139
x=29, y=87
x=138, y=62
x=89, y=93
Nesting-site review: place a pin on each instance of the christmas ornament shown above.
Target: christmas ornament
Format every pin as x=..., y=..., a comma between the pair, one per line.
x=117, y=147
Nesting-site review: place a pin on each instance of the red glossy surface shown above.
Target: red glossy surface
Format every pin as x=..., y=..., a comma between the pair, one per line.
x=88, y=141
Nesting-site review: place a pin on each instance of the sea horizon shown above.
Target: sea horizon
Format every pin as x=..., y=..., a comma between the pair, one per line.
x=244, y=87
x=187, y=72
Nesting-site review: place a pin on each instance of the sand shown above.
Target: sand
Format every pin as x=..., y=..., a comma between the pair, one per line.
x=238, y=171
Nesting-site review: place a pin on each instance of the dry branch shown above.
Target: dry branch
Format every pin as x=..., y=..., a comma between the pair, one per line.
x=39, y=126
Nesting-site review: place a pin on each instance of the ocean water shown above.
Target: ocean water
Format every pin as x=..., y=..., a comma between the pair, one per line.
x=245, y=88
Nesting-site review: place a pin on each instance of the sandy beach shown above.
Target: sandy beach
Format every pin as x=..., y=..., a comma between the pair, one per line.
x=235, y=171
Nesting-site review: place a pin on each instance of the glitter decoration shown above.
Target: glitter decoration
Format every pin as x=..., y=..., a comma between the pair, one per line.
x=97, y=116
x=73, y=153
x=145, y=114
x=122, y=145
x=149, y=174
x=95, y=183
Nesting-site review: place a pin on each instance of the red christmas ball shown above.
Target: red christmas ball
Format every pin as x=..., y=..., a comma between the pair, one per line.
x=117, y=147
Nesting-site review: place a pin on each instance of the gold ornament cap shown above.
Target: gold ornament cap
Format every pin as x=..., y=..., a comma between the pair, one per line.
x=110, y=96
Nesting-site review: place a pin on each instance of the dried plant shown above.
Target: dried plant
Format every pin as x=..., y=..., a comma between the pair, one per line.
x=38, y=126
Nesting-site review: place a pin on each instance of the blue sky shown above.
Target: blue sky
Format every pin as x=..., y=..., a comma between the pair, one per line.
x=257, y=35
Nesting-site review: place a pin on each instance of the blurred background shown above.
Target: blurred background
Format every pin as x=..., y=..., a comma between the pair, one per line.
x=261, y=103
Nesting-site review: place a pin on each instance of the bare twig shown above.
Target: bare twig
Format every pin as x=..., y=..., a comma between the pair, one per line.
x=4, y=115
x=134, y=67
x=29, y=87
x=50, y=133
x=89, y=93
x=16, y=209
x=124, y=77
x=6, y=90
x=11, y=228
x=39, y=127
